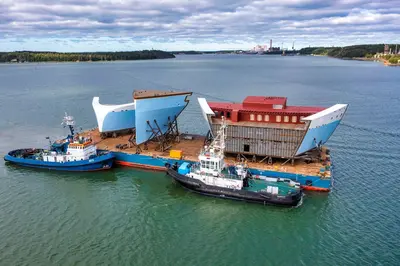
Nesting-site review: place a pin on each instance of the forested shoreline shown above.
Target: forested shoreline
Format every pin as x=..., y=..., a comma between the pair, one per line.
x=367, y=51
x=33, y=56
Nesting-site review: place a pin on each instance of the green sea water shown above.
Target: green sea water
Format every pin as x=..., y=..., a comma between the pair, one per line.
x=133, y=217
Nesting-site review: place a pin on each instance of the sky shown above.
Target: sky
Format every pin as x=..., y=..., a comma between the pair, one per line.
x=126, y=25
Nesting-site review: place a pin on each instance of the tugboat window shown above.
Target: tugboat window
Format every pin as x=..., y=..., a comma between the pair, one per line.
x=228, y=114
x=246, y=148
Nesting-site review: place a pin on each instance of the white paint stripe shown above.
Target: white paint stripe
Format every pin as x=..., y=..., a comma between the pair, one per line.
x=329, y=110
x=205, y=107
x=206, y=110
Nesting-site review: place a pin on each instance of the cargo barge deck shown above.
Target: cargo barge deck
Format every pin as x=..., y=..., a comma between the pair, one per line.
x=313, y=175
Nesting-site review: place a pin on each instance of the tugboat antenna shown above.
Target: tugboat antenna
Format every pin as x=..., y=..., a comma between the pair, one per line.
x=69, y=121
x=218, y=143
x=48, y=138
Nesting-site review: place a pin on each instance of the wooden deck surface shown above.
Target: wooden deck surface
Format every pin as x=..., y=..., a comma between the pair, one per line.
x=191, y=149
x=143, y=94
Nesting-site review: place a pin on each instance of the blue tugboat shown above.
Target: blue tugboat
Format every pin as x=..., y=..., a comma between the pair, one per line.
x=74, y=153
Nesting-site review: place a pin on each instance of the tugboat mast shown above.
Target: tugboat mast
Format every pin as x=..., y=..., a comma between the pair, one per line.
x=69, y=121
x=217, y=146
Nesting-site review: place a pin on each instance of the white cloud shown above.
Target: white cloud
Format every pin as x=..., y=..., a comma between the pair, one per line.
x=175, y=24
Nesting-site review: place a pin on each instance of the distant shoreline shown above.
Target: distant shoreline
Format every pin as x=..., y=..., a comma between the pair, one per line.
x=55, y=57
x=381, y=60
x=77, y=62
x=388, y=54
x=104, y=57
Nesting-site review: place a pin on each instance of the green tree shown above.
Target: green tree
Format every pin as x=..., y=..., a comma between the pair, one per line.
x=394, y=60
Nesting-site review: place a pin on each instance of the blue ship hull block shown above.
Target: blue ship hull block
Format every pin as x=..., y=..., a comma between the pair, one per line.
x=101, y=162
x=321, y=127
x=159, y=109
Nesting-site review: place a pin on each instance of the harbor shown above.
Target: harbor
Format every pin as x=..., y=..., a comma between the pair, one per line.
x=199, y=133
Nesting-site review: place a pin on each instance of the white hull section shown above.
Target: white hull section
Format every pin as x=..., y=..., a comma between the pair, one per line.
x=114, y=117
x=206, y=111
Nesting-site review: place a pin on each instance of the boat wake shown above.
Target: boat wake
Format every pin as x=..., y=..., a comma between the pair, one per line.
x=366, y=129
x=300, y=203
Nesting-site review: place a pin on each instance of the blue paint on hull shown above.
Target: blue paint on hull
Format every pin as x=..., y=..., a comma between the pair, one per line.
x=145, y=160
x=121, y=120
x=143, y=132
x=304, y=180
x=159, y=109
x=314, y=136
x=100, y=162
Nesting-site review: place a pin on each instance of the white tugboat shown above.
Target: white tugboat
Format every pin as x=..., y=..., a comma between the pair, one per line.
x=210, y=176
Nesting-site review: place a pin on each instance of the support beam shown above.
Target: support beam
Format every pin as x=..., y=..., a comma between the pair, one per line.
x=132, y=142
x=286, y=161
x=266, y=157
x=163, y=139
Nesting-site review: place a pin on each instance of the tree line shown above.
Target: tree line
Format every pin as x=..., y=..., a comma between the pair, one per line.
x=32, y=56
x=353, y=51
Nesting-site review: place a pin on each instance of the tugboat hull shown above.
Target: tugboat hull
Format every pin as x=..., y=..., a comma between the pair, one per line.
x=265, y=198
x=101, y=162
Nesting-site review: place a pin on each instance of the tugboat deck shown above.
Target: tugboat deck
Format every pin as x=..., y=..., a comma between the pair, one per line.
x=258, y=185
x=191, y=148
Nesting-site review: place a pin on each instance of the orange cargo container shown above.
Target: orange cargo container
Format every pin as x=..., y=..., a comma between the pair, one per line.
x=177, y=154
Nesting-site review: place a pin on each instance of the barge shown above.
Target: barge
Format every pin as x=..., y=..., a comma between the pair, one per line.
x=271, y=138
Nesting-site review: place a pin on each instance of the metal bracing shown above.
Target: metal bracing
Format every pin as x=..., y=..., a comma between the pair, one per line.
x=240, y=157
x=265, y=158
x=164, y=140
x=208, y=139
x=132, y=142
x=157, y=135
x=172, y=133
